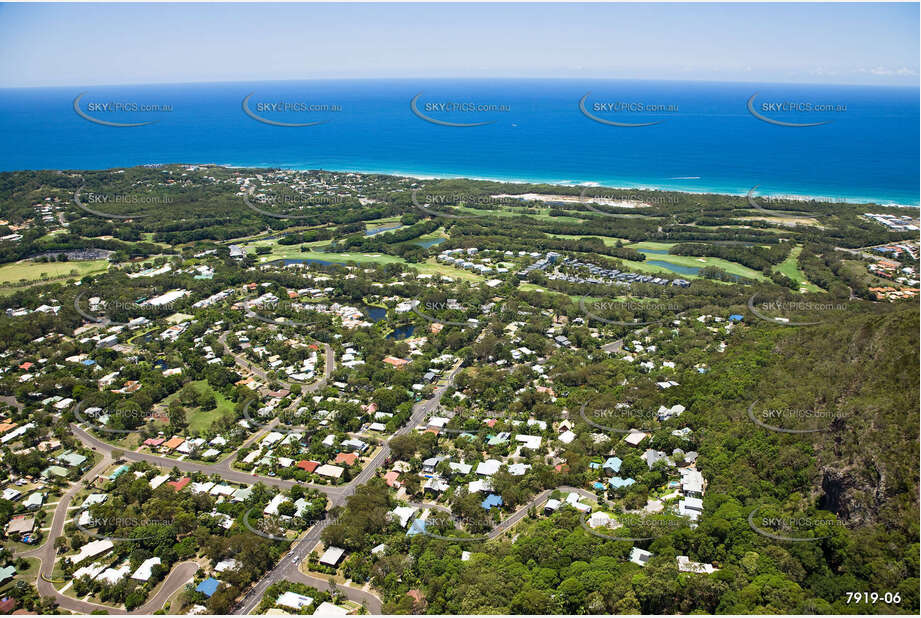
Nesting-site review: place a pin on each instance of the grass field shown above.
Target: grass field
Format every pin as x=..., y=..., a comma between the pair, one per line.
x=607, y=240
x=430, y=266
x=28, y=575
x=543, y=214
x=34, y=271
x=439, y=233
x=785, y=220
x=283, y=252
x=648, y=244
x=198, y=420
x=149, y=237
x=790, y=268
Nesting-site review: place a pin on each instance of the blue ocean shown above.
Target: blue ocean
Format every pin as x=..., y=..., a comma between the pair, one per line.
x=851, y=143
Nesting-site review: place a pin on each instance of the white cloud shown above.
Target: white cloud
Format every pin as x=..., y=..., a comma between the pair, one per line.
x=884, y=71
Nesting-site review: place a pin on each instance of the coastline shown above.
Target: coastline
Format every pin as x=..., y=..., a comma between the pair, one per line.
x=761, y=191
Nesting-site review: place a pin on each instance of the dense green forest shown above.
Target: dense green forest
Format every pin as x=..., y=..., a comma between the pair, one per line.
x=854, y=478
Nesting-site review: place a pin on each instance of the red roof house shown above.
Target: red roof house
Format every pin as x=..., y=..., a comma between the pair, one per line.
x=348, y=459
x=180, y=484
x=307, y=465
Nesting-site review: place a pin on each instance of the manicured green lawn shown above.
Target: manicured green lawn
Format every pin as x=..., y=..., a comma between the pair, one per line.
x=430, y=266
x=609, y=241
x=648, y=244
x=31, y=573
x=543, y=214
x=36, y=271
x=439, y=233
x=791, y=269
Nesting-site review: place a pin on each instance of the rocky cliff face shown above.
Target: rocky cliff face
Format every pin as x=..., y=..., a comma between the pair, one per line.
x=855, y=496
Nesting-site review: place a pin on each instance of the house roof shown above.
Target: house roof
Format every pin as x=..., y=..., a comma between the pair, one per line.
x=173, y=443
x=348, y=459
x=180, y=484
x=332, y=555
x=330, y=471
x=488, y=467
x=307, y=465
x=491, y=501
x=208, y=587
x=613, y=463
x=20, y=524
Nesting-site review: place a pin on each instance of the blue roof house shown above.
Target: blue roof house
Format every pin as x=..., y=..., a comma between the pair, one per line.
x=612, y=465
x=418, y=526
x=491, y=501
x=618, y=483
x=208, y=587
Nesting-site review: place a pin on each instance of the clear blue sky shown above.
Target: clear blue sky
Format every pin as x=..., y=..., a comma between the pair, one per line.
x=95, y=44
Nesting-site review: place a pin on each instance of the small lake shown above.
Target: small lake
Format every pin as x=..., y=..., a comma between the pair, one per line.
x=375, y=314
x=378, y=230
x=656, y=251
x=425, y=244
x=675, y=268
x=402, y=332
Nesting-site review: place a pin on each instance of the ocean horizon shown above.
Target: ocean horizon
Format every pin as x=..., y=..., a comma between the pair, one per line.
x=858, y=144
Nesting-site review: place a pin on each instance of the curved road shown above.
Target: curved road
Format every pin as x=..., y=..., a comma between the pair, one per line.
x=287, y=568
x=522, y=511
x=46, y=554
x=182, y=572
